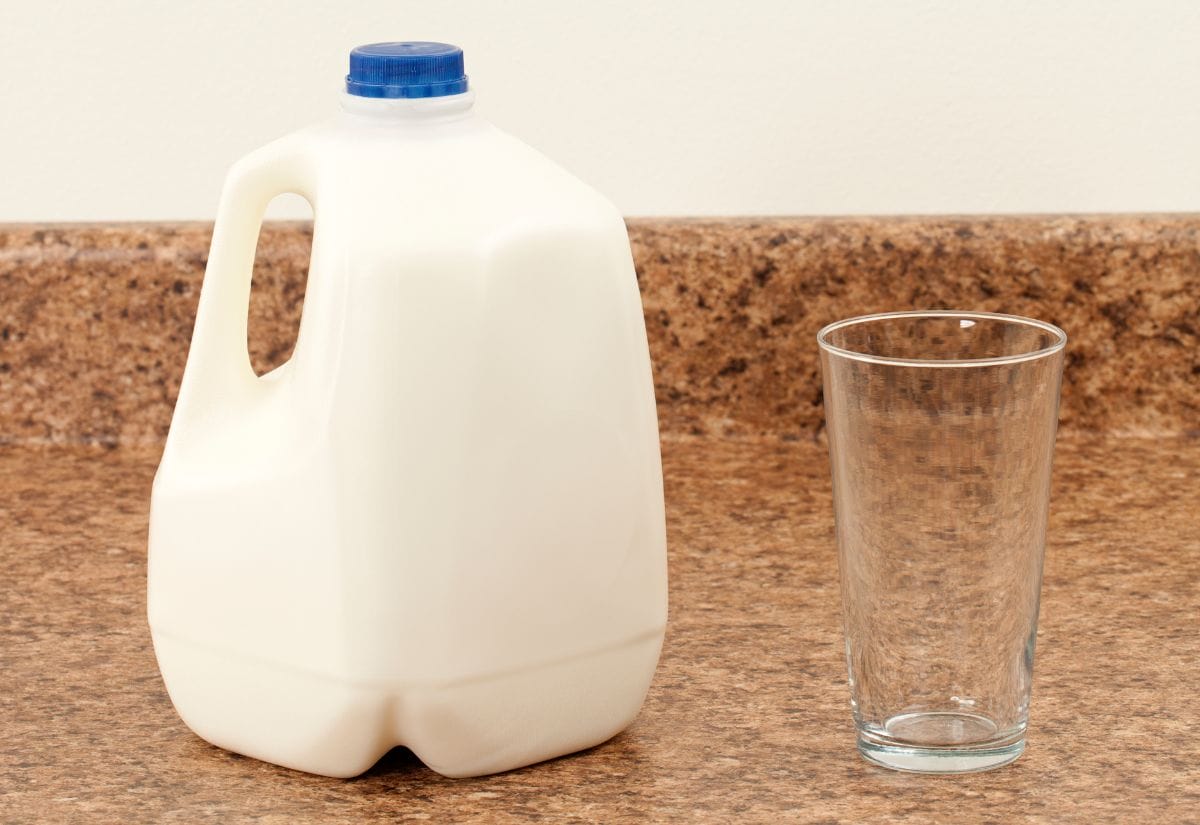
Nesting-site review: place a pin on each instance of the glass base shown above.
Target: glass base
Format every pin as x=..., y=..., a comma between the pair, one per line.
x=940, y=742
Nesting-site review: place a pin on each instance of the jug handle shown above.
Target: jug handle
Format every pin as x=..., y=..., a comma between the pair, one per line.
x=219, y=379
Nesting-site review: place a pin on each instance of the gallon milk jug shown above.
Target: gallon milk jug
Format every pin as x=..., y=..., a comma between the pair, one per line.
x=440, y=524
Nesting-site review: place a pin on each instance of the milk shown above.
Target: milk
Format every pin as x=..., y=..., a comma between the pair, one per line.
x=440, y=523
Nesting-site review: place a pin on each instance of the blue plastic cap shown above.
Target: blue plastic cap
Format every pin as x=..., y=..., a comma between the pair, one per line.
x=406, y=70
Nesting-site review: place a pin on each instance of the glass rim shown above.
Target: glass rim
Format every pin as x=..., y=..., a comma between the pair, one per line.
x=1058, y=343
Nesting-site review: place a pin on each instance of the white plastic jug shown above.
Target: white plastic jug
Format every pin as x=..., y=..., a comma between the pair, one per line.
x=440, y=524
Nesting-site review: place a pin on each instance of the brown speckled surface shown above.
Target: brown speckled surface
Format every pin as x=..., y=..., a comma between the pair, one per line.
x=747, y=719
x=95, y=320
x=733, y=308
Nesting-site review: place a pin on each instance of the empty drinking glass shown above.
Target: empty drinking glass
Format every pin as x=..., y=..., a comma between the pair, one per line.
x=941, y=434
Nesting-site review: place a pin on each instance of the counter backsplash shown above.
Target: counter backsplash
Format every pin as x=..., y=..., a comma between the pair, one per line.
x=95, y=320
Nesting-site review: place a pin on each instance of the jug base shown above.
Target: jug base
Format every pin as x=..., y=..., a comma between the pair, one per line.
x=471, y=727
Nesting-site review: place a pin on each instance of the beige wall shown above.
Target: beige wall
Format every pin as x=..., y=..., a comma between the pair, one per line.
x=133, y=110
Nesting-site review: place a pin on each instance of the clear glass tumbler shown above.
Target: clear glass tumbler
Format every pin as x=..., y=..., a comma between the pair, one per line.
x=941, y=435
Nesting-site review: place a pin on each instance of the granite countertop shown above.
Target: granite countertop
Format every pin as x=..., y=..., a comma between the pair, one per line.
x=747, y=719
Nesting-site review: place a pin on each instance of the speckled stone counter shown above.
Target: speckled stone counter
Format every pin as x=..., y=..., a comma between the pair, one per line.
x=95, y=320
x=747, y=719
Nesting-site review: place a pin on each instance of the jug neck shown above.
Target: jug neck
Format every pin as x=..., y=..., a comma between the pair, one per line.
x=408, y=110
